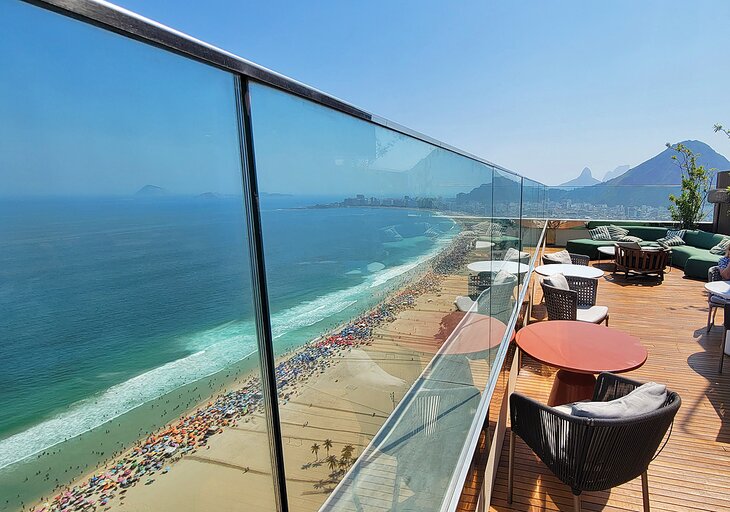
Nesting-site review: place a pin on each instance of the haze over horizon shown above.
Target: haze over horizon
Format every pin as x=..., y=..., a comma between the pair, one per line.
x=544, y=89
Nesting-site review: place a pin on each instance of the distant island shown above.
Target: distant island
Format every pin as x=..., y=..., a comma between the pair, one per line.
x=151, y=191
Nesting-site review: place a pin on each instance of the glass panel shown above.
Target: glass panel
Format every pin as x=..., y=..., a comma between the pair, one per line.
x=371, y=237
x=127, y=331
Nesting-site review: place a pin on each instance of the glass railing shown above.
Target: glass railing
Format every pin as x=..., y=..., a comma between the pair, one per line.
x=218, y=294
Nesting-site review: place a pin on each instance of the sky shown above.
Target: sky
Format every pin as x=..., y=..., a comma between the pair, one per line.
x=541, y=88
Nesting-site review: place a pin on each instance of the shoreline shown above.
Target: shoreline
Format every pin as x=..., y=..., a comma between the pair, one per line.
x=227, y=407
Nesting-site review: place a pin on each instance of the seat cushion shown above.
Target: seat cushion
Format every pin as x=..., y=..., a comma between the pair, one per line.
x=697, y=265
x=644, y=399
x=681, y=253
x=463, y=304
x=701, y=239
x=587, y=246
x=592, y=314
x=559, y=257
x=557, y=281
x=718, y=301
x=650, y=233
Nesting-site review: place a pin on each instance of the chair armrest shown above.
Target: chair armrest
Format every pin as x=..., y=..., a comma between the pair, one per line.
x=529, y=418
x=580, y=259
x=585, y=287
x=610, y=387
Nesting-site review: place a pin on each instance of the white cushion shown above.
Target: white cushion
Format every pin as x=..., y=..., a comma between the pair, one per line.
x=463, y=304
x=557, y=281
x=503, y=277
x=559, y=257
x=646, y=398
x=592, y=314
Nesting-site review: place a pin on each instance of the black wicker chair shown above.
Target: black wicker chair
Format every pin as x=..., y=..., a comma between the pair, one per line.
x=575, y=259
x=590, y=454
x=578, y=303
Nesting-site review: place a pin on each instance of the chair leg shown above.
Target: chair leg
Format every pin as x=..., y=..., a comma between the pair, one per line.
x=645, y=491
x=606, y=320
x=576, y=503
x=510, y=467
x=709, y=317
x=722, y=348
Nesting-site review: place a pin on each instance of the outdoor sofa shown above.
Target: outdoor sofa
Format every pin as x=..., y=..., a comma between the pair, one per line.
x=694, y=257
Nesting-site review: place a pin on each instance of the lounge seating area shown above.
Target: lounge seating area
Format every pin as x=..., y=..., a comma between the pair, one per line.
x=692, y=471
x=693, y=255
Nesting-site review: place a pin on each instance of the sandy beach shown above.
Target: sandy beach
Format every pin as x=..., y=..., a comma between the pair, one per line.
x=339, y=388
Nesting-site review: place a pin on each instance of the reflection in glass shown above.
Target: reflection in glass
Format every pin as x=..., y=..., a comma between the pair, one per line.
x=375, y=245
x=124, y=278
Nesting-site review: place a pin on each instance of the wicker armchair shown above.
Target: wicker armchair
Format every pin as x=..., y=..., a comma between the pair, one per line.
x=590, y=454
x=575, y=259
x=578, y=303
x=714, y=301
x=641, y=261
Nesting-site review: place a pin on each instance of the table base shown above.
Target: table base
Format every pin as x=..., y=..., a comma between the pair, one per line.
x=571, y=387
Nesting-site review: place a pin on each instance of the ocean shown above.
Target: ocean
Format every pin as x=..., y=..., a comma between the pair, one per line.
x=119, y=314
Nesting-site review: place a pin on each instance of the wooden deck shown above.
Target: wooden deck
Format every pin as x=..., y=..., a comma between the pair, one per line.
x=693, y=471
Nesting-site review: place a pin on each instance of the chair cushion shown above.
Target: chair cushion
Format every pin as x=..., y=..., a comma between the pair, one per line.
x=720, y=248
x=513, y=254
x=503, y=277
x=559, y=257
x=557, y=281
x=646, y=398
x=592, y=314
x=701, y=239
x=617, y=232
x=676, y=232
x=719, y=301
x=629, y=238
x=600, y=233
x=650, y=233
x=671, y=241
x=463, y=304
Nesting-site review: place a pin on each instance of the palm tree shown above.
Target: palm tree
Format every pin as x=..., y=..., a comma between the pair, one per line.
x=315, y=451
x=331, y=462
x=347, y=451
x=327, y=445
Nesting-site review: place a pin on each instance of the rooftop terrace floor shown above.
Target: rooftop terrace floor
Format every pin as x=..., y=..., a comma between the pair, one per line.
x=693, y=471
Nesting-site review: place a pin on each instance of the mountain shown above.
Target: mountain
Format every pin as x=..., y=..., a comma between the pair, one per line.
x=151, y=191
x=662, y=170
x=585, y=179
x=618, y=171
x=649, y=183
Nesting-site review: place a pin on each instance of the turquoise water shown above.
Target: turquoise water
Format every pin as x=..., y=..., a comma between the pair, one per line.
x=122, y=313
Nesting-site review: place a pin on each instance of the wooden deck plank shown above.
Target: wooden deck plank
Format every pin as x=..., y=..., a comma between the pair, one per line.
x=693, y=471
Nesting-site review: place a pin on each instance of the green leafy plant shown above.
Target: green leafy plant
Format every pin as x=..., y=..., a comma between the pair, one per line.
x=688, y=207
x=720, y=128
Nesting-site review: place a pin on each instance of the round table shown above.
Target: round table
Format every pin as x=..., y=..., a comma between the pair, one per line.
x=569, y=269
x=579, y=350
x=608, y=250
x=721, y=288
x=495, y=266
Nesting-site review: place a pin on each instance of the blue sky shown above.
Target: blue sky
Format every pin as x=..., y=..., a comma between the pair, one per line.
x=543, y=88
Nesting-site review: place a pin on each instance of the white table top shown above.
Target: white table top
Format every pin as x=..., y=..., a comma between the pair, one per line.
x=569, y=270
x=484, y=245
x=608, y=249
x=495, y=266
x=721, y=288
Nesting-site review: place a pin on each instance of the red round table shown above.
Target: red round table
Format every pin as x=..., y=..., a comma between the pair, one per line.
x=579, y=350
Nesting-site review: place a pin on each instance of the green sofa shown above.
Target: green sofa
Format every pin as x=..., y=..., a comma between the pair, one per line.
x=694, y=257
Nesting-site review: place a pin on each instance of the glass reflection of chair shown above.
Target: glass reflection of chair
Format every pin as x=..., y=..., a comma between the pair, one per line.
x=490, y=293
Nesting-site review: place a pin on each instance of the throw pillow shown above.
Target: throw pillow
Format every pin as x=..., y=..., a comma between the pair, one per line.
x=671, y=241
x=503, y=277
x=559, y=257
x=600, y=233
x=719, y=249
x=557, y=281
x=676, y=232
x=617, y=232
x=646, y=398
x=629, y=238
